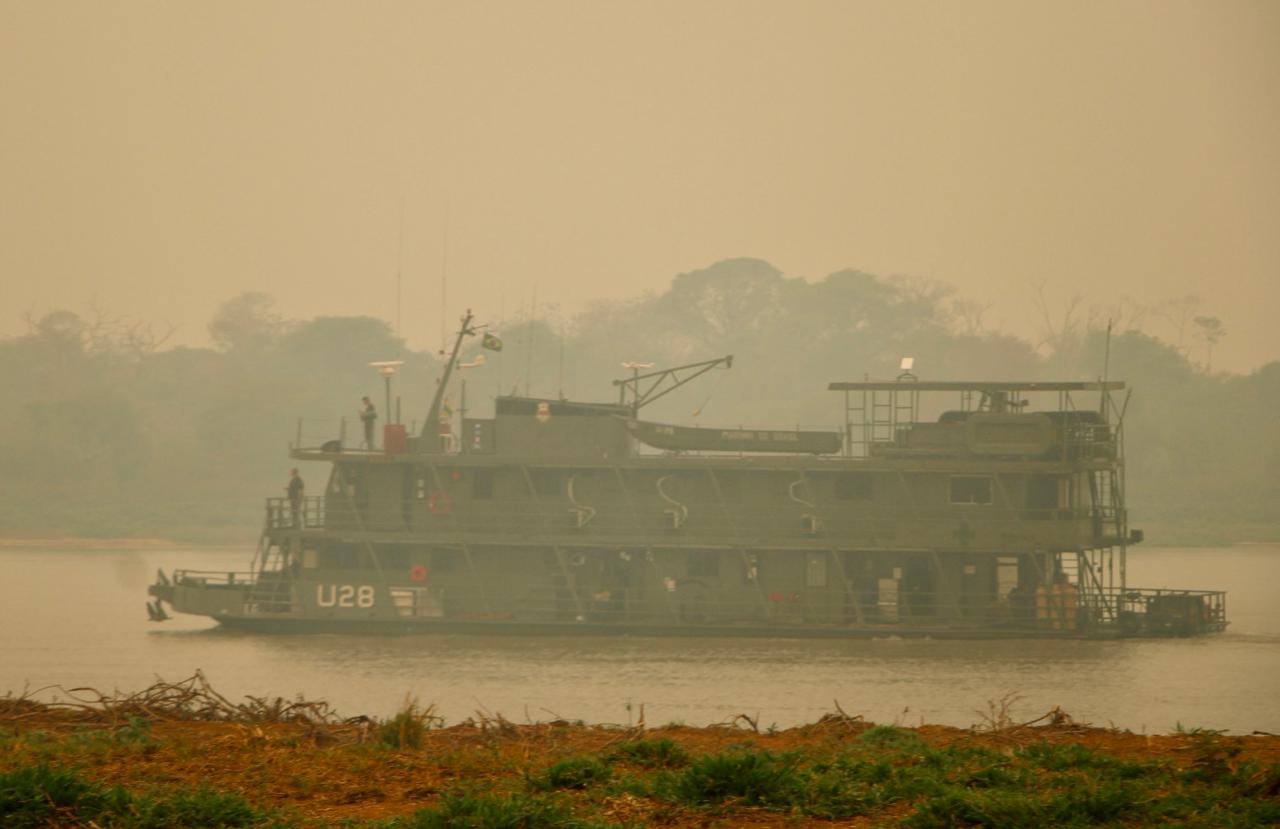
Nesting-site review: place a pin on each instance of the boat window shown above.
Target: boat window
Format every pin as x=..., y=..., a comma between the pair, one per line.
x=547, y=483
x=340, y=556
x=482, y=483
x=394, y=558
x=1042, y=491
x=443, y=559
x=854, y=486
x=704, y=563
x=970, y=489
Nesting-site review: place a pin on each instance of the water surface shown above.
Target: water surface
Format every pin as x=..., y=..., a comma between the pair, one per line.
x=77, y=618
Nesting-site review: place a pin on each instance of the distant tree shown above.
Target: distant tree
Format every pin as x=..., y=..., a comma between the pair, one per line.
x=248, y=322
x=1210, y=331
x=340, y=344
x=63, y=327
x=727, y=302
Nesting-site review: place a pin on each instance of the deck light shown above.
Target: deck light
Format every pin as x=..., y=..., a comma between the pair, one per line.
x=387, y=368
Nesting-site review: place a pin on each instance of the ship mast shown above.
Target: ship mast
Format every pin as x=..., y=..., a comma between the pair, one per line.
x=432, y=424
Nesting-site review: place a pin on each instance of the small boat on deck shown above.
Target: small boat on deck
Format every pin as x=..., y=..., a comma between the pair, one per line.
x=702, y=439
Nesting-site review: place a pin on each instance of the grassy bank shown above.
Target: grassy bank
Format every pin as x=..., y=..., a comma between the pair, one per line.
x=180, y=755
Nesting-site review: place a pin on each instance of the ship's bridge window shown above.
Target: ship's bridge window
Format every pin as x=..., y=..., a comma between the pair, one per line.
x=854, y=486
x=970, y=489
x=1045, y=492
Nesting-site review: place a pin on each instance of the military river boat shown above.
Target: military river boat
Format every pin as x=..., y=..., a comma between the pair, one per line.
x=1002, y=514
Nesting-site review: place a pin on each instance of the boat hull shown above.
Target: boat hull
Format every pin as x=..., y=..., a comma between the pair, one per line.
x=305, y=625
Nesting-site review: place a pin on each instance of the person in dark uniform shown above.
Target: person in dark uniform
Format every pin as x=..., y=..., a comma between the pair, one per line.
x=295, y=490
x=368, y=416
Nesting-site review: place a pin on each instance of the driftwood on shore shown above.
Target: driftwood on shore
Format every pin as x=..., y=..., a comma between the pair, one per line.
x=190, y=699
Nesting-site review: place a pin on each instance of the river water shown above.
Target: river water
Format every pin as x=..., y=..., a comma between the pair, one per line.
x=77, y=618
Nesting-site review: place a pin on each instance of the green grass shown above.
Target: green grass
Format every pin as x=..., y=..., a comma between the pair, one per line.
x=574, y=773
x=469, y=810
x=749, y=778
x=44, y=795
x=662, y=753
x=887, y=774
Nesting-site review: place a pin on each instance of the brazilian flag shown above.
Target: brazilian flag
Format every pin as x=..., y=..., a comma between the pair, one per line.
x=491, y=341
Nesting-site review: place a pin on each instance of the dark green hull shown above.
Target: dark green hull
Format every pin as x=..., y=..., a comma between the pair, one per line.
x=311, y=626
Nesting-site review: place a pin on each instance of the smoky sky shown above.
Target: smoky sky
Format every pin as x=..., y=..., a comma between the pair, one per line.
x=159, y=158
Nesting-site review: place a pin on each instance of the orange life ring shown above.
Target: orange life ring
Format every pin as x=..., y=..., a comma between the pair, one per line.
x=439, y=503
x=418, y=572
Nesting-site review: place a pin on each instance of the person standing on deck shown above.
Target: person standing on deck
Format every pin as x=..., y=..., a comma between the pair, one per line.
x=368, y=416
x=295, y=490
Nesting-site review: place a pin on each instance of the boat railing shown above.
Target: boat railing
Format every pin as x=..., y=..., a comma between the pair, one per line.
x=320, y=435
x=267, y=591
x=309, y=514
x=328, y=436
x=214, y=578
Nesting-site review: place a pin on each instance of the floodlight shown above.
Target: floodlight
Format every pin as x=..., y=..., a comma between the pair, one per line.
x=907, y=363
x=387, y=367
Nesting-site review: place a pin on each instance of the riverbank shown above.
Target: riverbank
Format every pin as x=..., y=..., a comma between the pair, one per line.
x=181, y=753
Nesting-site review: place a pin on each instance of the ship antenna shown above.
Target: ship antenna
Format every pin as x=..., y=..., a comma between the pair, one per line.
x=1106, y=368
x=400, y=266
x=560, y=382
x=444, y=278
x=502, y=321
x=528, y=362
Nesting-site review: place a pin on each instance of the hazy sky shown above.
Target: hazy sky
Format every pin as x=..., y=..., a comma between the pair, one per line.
x=159, y=158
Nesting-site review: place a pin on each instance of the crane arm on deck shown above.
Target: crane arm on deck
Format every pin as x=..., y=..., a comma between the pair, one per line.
x=664, y=381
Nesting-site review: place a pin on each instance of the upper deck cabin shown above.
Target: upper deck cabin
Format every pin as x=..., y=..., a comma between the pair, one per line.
x=1012, y=421
x=889, y=422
